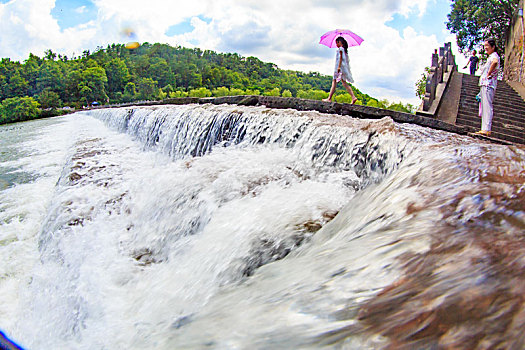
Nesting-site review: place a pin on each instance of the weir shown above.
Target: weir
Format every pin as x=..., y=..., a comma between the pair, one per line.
x=237, y=226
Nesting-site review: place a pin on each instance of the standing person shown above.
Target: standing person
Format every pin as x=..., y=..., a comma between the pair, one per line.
x=342, y=71
x=473, y=61
x=488, y=82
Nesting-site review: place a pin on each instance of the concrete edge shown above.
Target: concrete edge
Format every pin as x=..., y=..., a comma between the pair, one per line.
x=449, y=106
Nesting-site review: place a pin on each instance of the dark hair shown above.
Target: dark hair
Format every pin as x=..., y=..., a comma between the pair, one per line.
x=343, y=41
x=475, y=52
x=492, y=43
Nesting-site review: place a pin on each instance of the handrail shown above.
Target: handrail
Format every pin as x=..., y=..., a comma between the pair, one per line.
x=442, y=63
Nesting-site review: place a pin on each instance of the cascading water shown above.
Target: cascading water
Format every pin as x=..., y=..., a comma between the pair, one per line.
x=244, y=227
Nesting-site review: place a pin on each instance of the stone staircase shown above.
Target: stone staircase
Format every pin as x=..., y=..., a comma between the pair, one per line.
x=508, y=123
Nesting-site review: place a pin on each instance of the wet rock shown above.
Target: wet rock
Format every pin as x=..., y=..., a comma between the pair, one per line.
x=468, y=290
x=74, y=177
x=266, y=251
x=145, y=257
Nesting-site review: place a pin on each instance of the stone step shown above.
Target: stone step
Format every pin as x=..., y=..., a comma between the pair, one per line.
x=502, y=88
x=498, y=106
x=519, y=125
x=509, y=110
x=497, y=134
x=497, y=120
x=497, y=114
x=499, y=96
x=513, y=108
x=498, y=126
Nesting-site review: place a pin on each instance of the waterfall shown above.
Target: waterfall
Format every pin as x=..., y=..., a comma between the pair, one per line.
x=230, y=227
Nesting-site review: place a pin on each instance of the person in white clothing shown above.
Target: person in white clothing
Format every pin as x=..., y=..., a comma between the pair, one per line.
x=342, y=71
x=488, y=82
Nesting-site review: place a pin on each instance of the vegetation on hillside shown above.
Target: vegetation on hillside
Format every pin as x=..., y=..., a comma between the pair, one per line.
x=151, y=72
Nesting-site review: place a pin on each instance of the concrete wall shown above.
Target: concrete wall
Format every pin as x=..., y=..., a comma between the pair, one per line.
x=513, y=50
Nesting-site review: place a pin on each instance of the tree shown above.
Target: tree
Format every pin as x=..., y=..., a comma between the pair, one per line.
x=130, y=92
x=200, y=92
x=476, y=20
x=287, y=93
x=17, y=85
x=50, y=77
x=92, y=84
x=273, y=92
x=17, y=109
x=421, y=84
x=147, y=89
x=221, y=91
x=118, y=75
x=49, y=99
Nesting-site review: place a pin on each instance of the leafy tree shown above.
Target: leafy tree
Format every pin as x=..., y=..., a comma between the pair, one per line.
x=118, y=75
x=273, y=92
x=221, y=91
x=178, y=94
x=168, y=89
x=31, y=72
x=400, y=107
x=130, y=92
x=147, y=89
x=476, y=20
x=287, y=93
x=17, y=109
x=373, y=103
x=92, y=86
x=50, y=77
x=200, y=92
x=161, y=71
x=345, y=98
x=421, y=84
x=237, y=92
x=17, y=85
x=49, y=99
x=312, y=94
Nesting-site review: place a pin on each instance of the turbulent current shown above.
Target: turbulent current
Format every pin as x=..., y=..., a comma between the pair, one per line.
x=224, y=227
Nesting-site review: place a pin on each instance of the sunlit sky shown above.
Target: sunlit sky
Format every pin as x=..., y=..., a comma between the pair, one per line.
x=400, y=35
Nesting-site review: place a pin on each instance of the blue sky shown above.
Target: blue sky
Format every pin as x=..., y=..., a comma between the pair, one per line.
x=431, y=22
x=70, y=13
x=400, y=35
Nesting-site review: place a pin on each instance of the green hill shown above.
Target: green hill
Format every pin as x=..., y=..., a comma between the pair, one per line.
x=116, y=74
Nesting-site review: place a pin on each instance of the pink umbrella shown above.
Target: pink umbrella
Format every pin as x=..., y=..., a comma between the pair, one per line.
x=328, y=38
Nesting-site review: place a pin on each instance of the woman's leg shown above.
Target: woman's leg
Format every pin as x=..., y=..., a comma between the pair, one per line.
x=486, y=109
x=332, y=90
x=487, y=98
x=350, y=91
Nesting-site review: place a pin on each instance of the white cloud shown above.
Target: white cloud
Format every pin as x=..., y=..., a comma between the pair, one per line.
x=81, y=9
x=283, y=32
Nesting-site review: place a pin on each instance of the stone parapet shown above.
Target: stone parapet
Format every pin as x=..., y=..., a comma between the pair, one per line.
x=441, y=69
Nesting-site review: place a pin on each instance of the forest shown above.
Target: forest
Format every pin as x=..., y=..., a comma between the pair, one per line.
x=41, y=86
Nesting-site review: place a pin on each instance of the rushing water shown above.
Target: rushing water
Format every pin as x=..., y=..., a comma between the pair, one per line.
x=225, y=227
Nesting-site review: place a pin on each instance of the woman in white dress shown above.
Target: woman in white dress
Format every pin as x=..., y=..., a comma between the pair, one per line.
x=488, y=82
x=342, y=70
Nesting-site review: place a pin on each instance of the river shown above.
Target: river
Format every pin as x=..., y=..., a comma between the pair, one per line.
x=228, y=227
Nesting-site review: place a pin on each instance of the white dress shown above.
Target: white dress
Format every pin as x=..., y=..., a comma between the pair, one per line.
x=346, y=74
